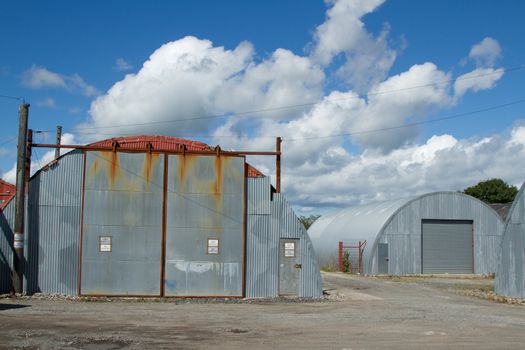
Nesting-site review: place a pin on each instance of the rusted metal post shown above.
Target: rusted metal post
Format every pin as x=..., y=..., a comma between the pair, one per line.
x=58, y=141
x=278, y=141
x=359, y=257
x=28, y=158
x=340, y=256
x=18, y=244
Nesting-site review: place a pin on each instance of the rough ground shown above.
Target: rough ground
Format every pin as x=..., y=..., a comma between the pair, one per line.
x=360, y=313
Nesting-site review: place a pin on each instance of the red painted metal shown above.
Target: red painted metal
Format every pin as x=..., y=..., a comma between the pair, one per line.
x=7, y=192
x=360, y=250
x=162, y=144
x=340, y=256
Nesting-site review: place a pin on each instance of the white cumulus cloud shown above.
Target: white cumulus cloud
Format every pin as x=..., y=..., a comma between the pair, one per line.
x=39, y=77
x=334, y=150
x=478, y=79
x=368, y=58
x=486, y=53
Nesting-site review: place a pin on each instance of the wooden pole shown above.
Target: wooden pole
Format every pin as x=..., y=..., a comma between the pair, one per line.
x=21, y=170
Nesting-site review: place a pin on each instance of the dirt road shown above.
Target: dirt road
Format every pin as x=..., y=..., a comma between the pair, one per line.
x=362, y=313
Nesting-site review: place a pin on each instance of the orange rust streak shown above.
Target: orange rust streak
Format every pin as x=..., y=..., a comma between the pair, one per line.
x=218, y=176
x=149, y=160
x=113, y=167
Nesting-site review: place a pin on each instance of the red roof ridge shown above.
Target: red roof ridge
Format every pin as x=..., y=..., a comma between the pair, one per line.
x=163, y=142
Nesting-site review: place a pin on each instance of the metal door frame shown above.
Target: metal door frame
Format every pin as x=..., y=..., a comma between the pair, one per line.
x=163, y=224
x=437, y=221
x=298, y=241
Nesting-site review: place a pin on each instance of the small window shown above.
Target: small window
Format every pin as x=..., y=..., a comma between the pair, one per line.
x=213, y=246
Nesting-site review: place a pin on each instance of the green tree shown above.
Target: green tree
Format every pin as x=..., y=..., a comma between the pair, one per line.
x=493, y=191
x=307, y=221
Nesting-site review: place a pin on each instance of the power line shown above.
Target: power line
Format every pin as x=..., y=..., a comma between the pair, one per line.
x=287, y=107
x=454, y=116
x=8, y=140
x=12, y=97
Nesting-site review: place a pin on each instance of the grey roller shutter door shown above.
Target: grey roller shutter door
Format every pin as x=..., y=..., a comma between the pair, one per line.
x=446, y=246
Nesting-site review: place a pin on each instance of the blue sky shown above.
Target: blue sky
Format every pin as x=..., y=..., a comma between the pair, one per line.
x=63, y=57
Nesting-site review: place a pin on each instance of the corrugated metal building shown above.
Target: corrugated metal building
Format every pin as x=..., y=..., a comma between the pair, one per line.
x=510, y=277
x=152, y=223
x=7, y=192
x=442, y=232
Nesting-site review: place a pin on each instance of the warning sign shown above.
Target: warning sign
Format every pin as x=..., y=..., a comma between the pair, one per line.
x=213, y=246
x=289, y=250
x=104, y=243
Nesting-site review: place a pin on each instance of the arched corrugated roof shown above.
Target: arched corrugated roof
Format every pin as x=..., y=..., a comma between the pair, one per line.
x=163, y=142
x=367, y=222
x=361, y=222
x=158, y=142
x=510, y=277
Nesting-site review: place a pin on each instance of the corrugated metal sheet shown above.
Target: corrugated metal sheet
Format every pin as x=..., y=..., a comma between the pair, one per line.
x=510, y=277
x=264, y=233
x=205, y=201
x=7, y=220
x=447, y=246
x=53, y=233
x=123, y=199
x=259, y=196
x=398, y=223
x=53, y=227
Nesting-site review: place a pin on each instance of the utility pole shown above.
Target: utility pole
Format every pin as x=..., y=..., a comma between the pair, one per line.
x=21, y=170
x=59, y=139
x=278, y=141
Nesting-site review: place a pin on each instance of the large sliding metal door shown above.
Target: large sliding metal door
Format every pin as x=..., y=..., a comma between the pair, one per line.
x=205, y=226
x=122, y=224
x=447, y=246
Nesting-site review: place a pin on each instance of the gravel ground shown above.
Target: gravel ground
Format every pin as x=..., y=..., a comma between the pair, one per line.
x=358, y=313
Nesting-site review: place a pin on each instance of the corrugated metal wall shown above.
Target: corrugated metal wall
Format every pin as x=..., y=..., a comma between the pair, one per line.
x=403, y=232
x=510, y=278
x=123, y=196
x=53, y=228
x=7, y=219
x=264, y=232
x=53, y=235
x=205, y=201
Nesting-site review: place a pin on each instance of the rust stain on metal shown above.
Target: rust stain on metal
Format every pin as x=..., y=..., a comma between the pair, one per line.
x=185, y=168
x=218, y=176
x=110, y=163
x=150, y=160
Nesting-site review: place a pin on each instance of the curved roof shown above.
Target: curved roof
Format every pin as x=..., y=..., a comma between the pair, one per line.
x=510, y=277
x=369, y=222
x=158, y=142
x=366, y=220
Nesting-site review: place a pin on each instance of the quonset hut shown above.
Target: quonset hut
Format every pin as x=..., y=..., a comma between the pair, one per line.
x=510, y=278
x=442, y=232
x=159, y=216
